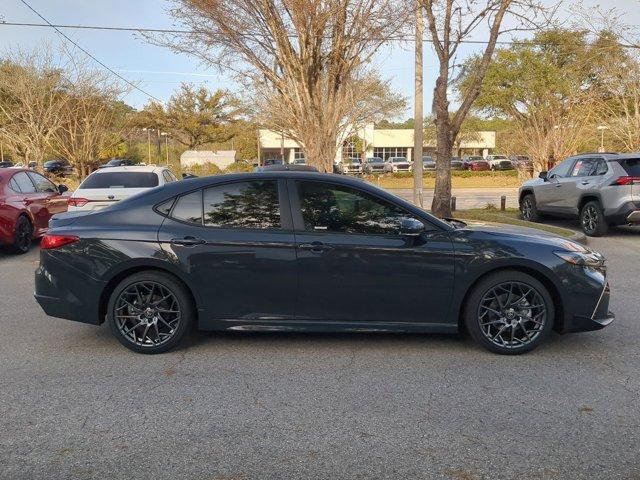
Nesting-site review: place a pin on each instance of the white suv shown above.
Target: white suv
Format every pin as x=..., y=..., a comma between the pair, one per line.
x=108, y=185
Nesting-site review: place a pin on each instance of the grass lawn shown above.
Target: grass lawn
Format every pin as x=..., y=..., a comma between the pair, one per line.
x=510, y=216
x=459, y=179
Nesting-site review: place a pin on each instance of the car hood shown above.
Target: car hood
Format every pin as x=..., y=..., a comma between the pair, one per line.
x=533, y=182
x=516, y=232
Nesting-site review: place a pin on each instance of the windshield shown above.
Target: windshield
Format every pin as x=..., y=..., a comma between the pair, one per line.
x=398, y=160
x=632, y=167
x=374, y=160
x=120, y=180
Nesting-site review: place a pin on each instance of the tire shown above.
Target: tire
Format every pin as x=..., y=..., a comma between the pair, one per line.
x=529, y=208
x=23, y=236
x=136, y=300
x=491, y=321
x=592, y=220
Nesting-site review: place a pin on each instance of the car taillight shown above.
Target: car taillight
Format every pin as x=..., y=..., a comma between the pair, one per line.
x=55, y=241
x=626, y=181
x=77, y=202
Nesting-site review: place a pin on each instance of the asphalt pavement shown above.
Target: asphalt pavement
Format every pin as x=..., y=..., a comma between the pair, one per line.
x=75, y=404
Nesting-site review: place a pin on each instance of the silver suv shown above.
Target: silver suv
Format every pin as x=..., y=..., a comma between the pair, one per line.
x=601, y=189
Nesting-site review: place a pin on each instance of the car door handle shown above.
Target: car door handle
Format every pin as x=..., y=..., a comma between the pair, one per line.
x=558, y=185
x=585, y=182
x=188, y=241
x=317, y=247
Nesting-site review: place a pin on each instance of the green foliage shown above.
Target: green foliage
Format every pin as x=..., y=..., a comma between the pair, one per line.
x=239, y=167
x=204, y=170
x=193, y=117
x=460, y=174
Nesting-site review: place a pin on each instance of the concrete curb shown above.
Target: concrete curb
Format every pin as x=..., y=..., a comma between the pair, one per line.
x=580, y=238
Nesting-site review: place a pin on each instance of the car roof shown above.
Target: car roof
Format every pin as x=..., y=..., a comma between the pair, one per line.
x=131, y=168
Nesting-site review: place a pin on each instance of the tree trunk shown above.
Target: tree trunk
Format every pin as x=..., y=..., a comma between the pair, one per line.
x=441, y=205
x=320, y=150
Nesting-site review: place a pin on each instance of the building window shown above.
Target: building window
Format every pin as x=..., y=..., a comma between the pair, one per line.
x=349, y=149
x=298, y=154
x=386, y=152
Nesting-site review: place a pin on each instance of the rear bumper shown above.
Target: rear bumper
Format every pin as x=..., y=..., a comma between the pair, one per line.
x=67, y=293
x=628, y=212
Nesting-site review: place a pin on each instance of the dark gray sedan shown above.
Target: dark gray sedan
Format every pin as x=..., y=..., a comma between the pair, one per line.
x=300, y=251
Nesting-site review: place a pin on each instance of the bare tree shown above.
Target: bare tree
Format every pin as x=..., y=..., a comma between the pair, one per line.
x=32, y=95
x=451, y=22
x=621, y=111
x=307, y=58
x=90, y=120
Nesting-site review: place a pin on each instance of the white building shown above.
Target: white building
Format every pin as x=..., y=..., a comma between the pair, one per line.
x=382, y=143
x=222, y=158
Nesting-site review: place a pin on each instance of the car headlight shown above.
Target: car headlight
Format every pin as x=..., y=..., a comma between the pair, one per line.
x=585, y=258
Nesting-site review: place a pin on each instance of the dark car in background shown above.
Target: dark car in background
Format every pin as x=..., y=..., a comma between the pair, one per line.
x=58, y=167
x=6, y=164
x=428, y=163
x=456, y=163
x=298, y=251
x=119, y=162
x=27, y=202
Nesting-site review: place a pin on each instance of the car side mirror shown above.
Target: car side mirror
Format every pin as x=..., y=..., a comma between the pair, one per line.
x=543, y=176
x=411, y=227
x=62, y=189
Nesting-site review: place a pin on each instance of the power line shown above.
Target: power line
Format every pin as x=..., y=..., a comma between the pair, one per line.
x=102, y=64
x=398, y=38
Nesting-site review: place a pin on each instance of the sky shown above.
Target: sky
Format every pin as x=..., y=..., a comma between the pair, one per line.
x=159, y=72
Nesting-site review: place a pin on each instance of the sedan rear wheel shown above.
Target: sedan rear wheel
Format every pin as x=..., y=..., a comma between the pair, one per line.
x=509, y=312
x=150, y=312
x=23, y=235
x=529, y=209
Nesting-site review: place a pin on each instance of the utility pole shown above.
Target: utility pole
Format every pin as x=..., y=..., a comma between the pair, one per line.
x=418, y=114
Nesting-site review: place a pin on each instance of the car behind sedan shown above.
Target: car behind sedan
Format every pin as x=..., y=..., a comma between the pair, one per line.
x=113, y=184
x=27, y=202
x=300, y=251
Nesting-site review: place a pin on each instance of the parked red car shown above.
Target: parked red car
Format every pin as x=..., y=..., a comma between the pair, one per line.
x=478, y=165
x=27, y=202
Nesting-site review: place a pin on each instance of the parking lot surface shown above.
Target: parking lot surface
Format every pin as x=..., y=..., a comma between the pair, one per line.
x=76, y=404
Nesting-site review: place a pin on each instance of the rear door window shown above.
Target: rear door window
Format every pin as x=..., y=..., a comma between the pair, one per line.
x=120, y=180
x=24, y=183
x=243, y=205
x=584, y=167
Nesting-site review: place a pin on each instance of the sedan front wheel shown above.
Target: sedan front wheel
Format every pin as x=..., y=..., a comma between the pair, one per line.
x=509, y=312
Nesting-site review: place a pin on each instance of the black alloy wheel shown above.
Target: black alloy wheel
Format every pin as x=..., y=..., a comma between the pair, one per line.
x=509, y=312
x=150, y=312
x=23, y=236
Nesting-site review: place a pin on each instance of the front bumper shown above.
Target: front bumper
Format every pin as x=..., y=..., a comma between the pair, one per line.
x=600, y=318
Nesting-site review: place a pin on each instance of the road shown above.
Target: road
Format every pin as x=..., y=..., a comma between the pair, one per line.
x=75, y=404
x=466, y=197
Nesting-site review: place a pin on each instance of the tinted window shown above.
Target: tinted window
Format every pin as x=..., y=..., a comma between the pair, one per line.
x=14, y=186
x=25, y=185
x=42, y=184
x=120, y=180
x=562, y=169
x=632, y=167
x=337, y=208
x=189, y=208
x=242, y=205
